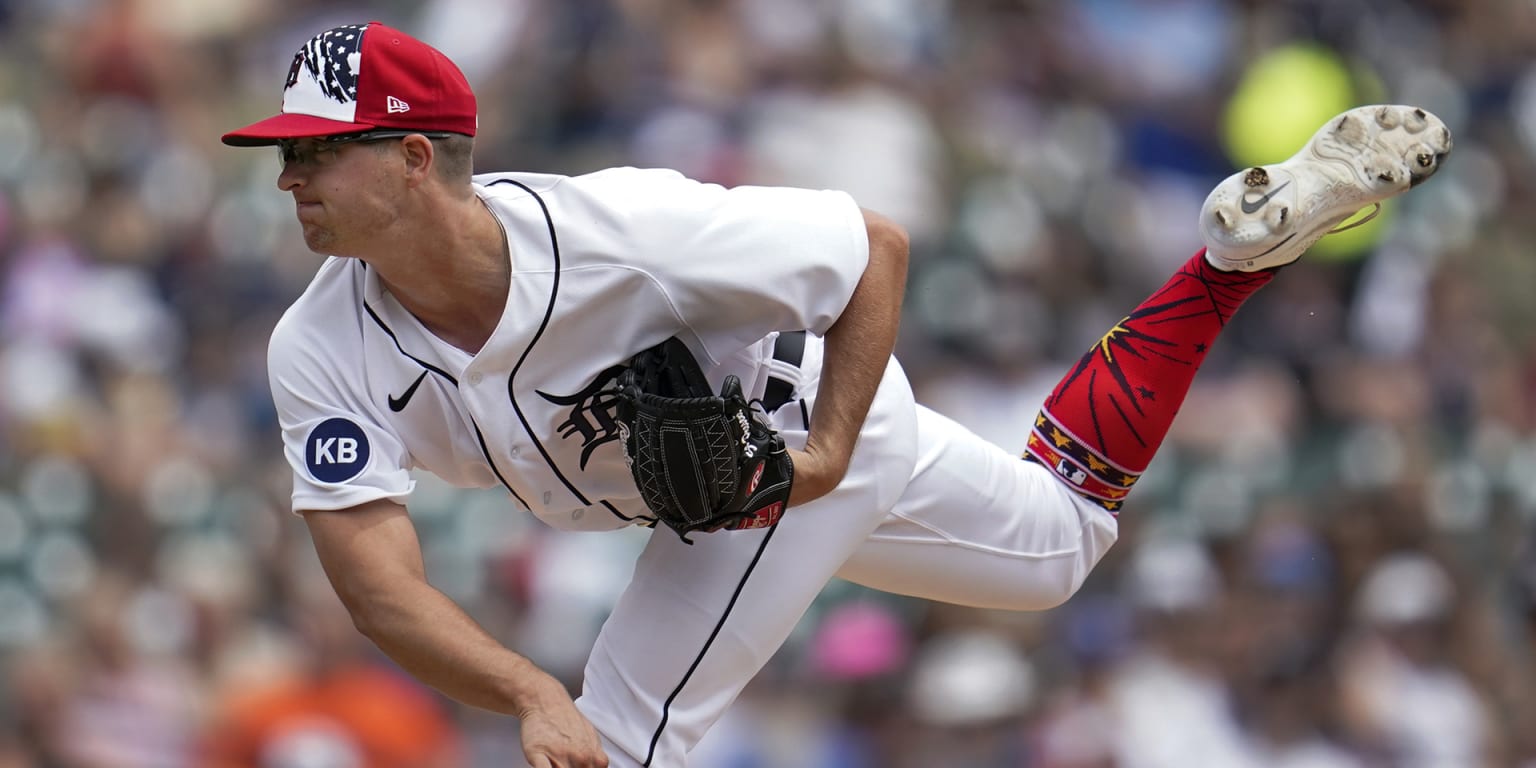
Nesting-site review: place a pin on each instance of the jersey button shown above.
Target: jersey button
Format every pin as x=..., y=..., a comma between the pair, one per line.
x=474, y=378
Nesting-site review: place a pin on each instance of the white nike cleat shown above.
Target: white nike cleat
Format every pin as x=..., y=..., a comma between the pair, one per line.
x=1266, y=216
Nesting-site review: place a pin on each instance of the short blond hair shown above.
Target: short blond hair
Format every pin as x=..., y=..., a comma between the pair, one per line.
x=454, y=158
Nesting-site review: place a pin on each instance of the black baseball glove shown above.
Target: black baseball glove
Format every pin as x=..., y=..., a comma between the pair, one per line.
x=702, y=461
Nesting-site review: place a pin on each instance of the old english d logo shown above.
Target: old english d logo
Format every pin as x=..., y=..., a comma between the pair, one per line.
x=593, y=412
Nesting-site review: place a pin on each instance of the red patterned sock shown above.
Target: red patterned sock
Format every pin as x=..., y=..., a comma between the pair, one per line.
x=1100, y=427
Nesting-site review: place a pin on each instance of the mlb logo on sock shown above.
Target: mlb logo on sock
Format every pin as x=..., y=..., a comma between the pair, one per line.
x=393, y=105
x=1071, y=473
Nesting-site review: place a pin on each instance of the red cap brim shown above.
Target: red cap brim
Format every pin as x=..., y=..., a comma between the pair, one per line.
x=289, y=125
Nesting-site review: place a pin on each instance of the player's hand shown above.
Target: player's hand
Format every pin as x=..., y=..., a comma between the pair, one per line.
x=815, y=475
x=556, y=735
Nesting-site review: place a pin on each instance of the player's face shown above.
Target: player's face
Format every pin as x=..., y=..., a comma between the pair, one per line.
x=341, y=191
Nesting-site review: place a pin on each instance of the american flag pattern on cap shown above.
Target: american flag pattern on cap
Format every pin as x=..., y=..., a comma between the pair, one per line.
x=323, y=78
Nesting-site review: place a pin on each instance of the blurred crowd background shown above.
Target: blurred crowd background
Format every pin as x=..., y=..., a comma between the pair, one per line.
x=1329, y=565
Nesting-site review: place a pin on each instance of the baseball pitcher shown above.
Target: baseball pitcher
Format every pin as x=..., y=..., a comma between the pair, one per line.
x=632, y=347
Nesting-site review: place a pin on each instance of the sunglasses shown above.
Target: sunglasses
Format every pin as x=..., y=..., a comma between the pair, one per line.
x=321, y=151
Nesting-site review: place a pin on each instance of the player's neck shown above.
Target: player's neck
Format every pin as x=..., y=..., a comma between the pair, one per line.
x=455, y=275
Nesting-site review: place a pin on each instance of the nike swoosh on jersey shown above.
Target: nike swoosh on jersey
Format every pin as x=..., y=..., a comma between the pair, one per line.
x=398, y=404
x=1257, y=204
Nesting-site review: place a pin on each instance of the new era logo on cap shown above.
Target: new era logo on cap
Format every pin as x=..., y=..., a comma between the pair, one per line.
x=357, y=78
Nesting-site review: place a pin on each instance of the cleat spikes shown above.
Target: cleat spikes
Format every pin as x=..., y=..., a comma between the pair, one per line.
x=1267, y=216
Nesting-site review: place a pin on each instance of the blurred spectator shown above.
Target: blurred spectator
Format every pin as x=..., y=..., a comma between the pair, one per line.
x=127, y=705
x=1170, y=702
x=1403, y=697
x=969, y=688
x=340, y=706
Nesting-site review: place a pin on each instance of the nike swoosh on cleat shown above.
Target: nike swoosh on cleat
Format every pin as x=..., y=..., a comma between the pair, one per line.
x=398, y=405
x=1276, y=247
x=1253, y=207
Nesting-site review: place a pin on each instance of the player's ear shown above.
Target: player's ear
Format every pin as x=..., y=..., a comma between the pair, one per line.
x=420, y=155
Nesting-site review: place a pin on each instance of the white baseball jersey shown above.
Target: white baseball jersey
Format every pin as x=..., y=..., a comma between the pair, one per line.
x=606, y=265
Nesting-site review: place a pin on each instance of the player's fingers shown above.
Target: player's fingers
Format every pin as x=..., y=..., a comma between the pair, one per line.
x=600, y=761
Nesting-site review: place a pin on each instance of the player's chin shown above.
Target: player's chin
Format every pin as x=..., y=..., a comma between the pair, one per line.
x=319, y=239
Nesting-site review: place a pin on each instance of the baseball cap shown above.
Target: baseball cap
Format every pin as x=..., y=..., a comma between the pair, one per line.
x=362, y=77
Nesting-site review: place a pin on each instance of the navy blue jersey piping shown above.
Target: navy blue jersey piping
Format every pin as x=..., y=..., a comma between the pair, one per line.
x=661, y=726
x=455, y=382
x=549, y=311
x=666, y=709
